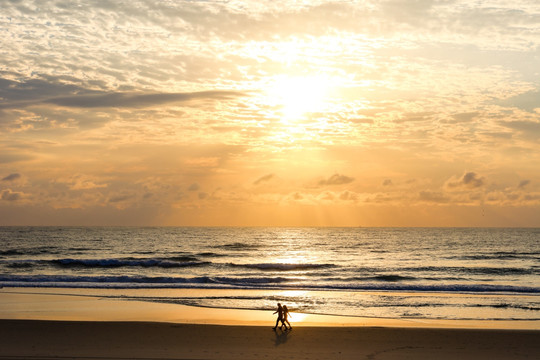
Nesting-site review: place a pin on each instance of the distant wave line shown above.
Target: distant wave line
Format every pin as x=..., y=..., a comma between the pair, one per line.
x=247, y=283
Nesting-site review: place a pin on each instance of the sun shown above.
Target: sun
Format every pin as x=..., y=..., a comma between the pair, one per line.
x=297, y=96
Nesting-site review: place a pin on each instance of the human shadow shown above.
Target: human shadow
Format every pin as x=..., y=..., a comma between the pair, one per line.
x=281, y=337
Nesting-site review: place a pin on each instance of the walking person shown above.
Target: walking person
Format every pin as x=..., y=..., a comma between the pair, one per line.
x=285, y=316
x=279, y=311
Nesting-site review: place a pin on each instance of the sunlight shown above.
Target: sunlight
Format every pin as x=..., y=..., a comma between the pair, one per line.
x=299, y=95
x=297, y=317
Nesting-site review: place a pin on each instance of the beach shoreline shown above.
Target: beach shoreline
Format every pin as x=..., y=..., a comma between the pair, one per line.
x=71, y=304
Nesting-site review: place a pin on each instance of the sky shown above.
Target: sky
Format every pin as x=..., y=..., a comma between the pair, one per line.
x=270, y=113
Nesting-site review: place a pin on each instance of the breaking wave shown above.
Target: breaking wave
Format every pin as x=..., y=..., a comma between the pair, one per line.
x=251, y=282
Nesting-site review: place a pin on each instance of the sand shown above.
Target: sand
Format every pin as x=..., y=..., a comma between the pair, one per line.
x=35, y=339
x=49, y=324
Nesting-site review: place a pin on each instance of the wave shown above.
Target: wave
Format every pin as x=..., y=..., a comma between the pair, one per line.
x=510, y=306
x=20, y=265
x=11, y=252
x=502, y=271
x=500, y=255
x=237, y=246
x=247, y=283
x=31, y=251
x=210, y=254
x=125, y=281
x=284, y=266
x=178, y=262
x=181, y=261
x=79, y=249
x=391, y=278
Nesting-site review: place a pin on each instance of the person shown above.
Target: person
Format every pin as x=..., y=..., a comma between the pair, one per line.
x=279, y=311
x=285, y=315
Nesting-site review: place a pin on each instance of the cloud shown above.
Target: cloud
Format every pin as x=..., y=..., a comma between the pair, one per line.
x=433, y=197
x=9, y=195
x=131, y=100
x=469, y=180
x=524, y=183
x=31, y=92
x=202, y=195
x=463, y=117
x=264, y=178
x=8, y=156
x=193, y=187
x=528, y=101
x=336, y=179
x=121, y=198
x=12, y=177
x=81, y=182
x=387, y=182
x=528, y=128
x=148, y=195
x=415, y=117
x=348, y=196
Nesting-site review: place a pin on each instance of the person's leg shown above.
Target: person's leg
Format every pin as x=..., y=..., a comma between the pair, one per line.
x=288, y=323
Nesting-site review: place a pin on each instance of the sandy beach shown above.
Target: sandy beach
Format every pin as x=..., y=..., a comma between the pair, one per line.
x=31, y=339
x=50, y=324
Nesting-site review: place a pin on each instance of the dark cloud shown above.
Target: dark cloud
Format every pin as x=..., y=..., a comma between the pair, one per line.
x=120, y=198
x=524, y=183
x=29, y=92
x=529, y=128
x=527, y=101
x=387, y=182
x=432, y=196
x=139, y=100
x=336, y=179
x=11, y=177
x=263, y=179
x=348, y=196
x=9, y=195
x=469, y=180
x=194, y=187
x=498, y=135
x=202, y=195
x=463, y=117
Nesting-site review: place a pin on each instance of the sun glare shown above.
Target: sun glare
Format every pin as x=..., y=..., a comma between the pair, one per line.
x=298, y=95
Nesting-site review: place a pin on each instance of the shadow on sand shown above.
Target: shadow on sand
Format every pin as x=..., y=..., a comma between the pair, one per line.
x=281, y=337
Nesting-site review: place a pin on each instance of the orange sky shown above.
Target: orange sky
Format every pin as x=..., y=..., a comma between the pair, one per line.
x=319, y=113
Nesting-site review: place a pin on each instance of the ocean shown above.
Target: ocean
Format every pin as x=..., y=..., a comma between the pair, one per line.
x=408, y=273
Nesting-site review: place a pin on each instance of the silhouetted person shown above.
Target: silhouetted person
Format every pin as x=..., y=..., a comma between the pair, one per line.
x=279, y=311
x=285, y=315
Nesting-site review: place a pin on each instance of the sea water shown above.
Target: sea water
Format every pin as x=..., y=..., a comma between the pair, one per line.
x=423, y=273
